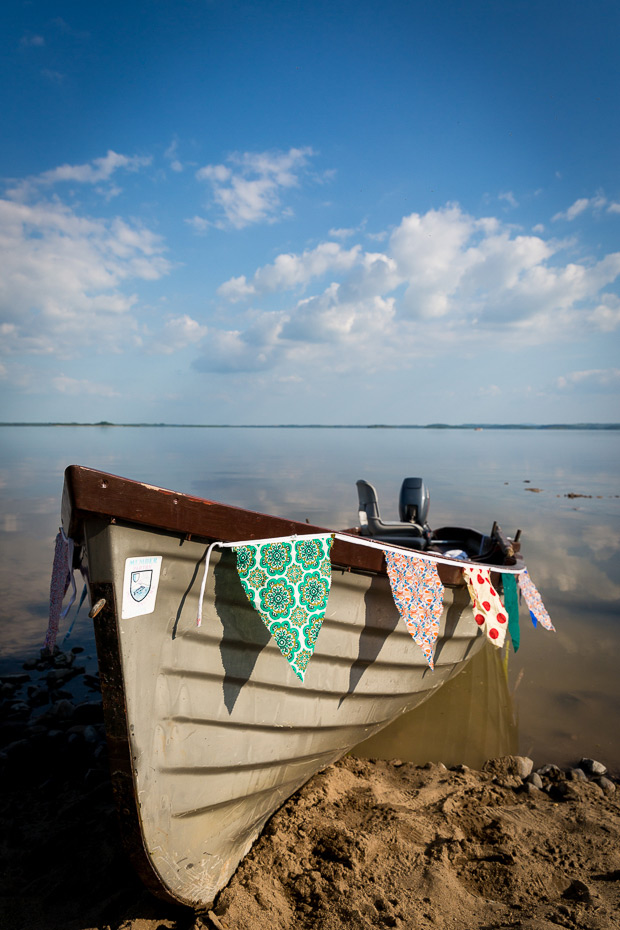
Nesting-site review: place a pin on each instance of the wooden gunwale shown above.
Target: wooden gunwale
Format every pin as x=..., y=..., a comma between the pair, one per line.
x=88, y=491
x=95, y=492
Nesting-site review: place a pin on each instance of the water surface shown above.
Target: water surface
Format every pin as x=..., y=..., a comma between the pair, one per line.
x=562, y=691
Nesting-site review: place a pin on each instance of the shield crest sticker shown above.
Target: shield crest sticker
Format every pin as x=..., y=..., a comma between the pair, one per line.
x=140, y=585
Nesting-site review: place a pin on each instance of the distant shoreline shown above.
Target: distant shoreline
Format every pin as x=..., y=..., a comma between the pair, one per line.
x=461, y=426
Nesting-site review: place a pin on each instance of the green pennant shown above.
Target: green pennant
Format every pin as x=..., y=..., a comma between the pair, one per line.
x=511, y=603
x=288, y=583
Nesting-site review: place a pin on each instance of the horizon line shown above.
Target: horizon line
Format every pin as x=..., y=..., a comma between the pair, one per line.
x=437, y=425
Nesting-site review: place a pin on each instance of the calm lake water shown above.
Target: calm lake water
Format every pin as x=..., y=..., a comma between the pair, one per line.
x=557, y=699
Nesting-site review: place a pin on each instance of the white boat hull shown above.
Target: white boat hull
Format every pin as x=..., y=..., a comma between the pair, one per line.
x=210, y=728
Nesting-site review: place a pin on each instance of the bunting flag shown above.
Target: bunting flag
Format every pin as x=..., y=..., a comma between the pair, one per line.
x=62, y=577
x=418, y=595
x=511, y=603
x=534, y=602
x=288, y=583
x=489, y=612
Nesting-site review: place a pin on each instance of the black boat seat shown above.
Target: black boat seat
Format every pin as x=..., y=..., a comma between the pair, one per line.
x=402, y=533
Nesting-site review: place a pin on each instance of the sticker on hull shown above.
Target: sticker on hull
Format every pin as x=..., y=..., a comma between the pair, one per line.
x=140, y=585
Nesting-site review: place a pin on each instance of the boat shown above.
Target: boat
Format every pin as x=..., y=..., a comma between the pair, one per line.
x=209, y=730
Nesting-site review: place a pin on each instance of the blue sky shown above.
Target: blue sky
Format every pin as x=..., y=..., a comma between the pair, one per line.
x=328, y=212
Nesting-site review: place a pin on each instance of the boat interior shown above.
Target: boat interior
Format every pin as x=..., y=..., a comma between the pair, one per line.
x=412, y=531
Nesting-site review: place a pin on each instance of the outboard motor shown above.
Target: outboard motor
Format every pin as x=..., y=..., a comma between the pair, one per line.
x=414, y=502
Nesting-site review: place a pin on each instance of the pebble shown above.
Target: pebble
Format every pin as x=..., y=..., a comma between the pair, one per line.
x=63, y=710
x=90, y=734
x=606, y=784
x=524, y=766
x=553, y=771
x=577, y=774
x=535, y=780
x=578, y=891
x=592, y=767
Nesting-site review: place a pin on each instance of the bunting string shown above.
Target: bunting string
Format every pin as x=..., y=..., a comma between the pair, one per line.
x=416, y=588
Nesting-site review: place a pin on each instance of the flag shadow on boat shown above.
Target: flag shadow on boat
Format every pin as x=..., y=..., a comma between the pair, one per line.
x=374, y=633
x=380, y=620
x=461, y=601
x=244, y=635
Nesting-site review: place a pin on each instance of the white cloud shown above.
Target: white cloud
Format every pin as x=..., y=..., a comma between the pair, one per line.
x=292, y=271
x=63, y=277
x=256, y=348
x=236, y=289
x=99, y=169
x=613, y=208
x=198, y=223
x=76, y=387
x=248, y=188
x=580, y=206
x=330, y=319
x=347, y=232
x=94, y=172
x=179, y=333
x=606, y=315
x=446, y=278
x=289, y=270
x=509, y=197
x=595, y=380
x=171, y=155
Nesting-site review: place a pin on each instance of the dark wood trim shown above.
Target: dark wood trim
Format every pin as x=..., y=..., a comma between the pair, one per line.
x=88, y=491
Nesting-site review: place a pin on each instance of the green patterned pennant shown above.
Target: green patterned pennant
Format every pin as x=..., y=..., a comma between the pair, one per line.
x=288, y=584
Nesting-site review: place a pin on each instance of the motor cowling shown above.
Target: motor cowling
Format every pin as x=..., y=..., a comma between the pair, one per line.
x=414, y=501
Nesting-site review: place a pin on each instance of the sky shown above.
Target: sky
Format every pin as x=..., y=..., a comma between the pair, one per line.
x=380, y=211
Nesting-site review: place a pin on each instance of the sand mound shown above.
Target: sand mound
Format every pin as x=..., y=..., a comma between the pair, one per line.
x=372, y=844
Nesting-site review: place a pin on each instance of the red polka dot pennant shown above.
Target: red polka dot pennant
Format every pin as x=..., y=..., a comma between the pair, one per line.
x=489, y=612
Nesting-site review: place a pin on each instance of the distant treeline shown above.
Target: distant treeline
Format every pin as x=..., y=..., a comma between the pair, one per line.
x=474, y=426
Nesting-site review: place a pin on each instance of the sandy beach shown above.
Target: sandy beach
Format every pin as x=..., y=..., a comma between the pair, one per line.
x=366, y=843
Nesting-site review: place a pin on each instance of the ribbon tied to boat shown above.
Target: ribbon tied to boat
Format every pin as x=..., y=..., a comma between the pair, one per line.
x=62, y=577
x=418, y=595
x=288, y=583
